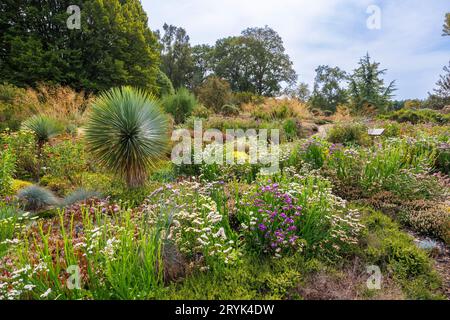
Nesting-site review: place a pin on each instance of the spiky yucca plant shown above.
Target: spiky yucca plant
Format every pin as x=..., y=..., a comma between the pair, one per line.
x=44, y=128
x=127, y=132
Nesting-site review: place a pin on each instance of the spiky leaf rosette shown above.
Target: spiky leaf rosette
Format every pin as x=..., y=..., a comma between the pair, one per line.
x=43, y=127
x=127, y=133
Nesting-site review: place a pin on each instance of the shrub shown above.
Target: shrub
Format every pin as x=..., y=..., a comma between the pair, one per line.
x=214, y=93
x=22, y=144
x=7, y=167
x=230, y=110
x=65, y=160
x=126, y=133
x=417, y=116
x=395, y=252
x=314, y=152
x=35, y=198
x=18, y=185
x=349, y=134
x=443, y=158
x=434, y=221
x=241, y=98
x=164, y=84
x=201, y=112
x=290, y=129
x=180, y=105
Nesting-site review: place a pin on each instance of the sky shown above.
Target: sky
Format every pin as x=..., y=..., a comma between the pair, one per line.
x=408, y=42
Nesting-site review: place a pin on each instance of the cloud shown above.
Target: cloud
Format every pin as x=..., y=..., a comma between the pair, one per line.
x=333, y=32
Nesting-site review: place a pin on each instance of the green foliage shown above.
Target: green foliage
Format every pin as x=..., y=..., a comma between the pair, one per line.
x=22, y=144
x=176, y=55
x=290, y=129
x=417, y=116
x=214, y=93
x=65, y=160
x=367, y=89
x=116, y=262
x=230, y=110
x=255, y=278
x=314, y=152
x=126, y=133
x=349, y=134
x=241, y=98
x=35, y=198
x=164, y=84
x=328, y=90
x=442, y=89
x=263, y=63
x=446, y=27
x=180, y=105
x=12, y=105
x=35, y=45
x=394, y=251
x=7, y=168
x=43, y=127
x=201, y=112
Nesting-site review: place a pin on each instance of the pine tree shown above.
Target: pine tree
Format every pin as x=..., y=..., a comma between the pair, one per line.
x=366, y=87
x=443, y=85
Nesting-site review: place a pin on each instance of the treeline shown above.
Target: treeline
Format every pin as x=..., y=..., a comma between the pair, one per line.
x=114, y=46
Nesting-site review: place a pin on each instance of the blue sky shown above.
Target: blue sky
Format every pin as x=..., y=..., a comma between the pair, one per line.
x=334, y=32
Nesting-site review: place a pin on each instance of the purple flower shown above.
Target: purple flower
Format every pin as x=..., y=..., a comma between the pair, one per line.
x=262, y=227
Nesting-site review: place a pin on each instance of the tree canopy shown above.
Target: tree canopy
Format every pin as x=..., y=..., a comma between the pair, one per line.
x=113, y=46
x=329, y=90
x=367, y=88
x=176, y=55
x=255, y=61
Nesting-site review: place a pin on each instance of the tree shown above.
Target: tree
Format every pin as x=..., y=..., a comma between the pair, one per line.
x=127, y=133
x=366, y=87
x=203, y=64
x=214, y=93
x=254, y=62
x=114, y=45
x=300, y=92
x=446, y=27
x=328, y=90
x=443, y=85
x=176, y=55
x=164, y=84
